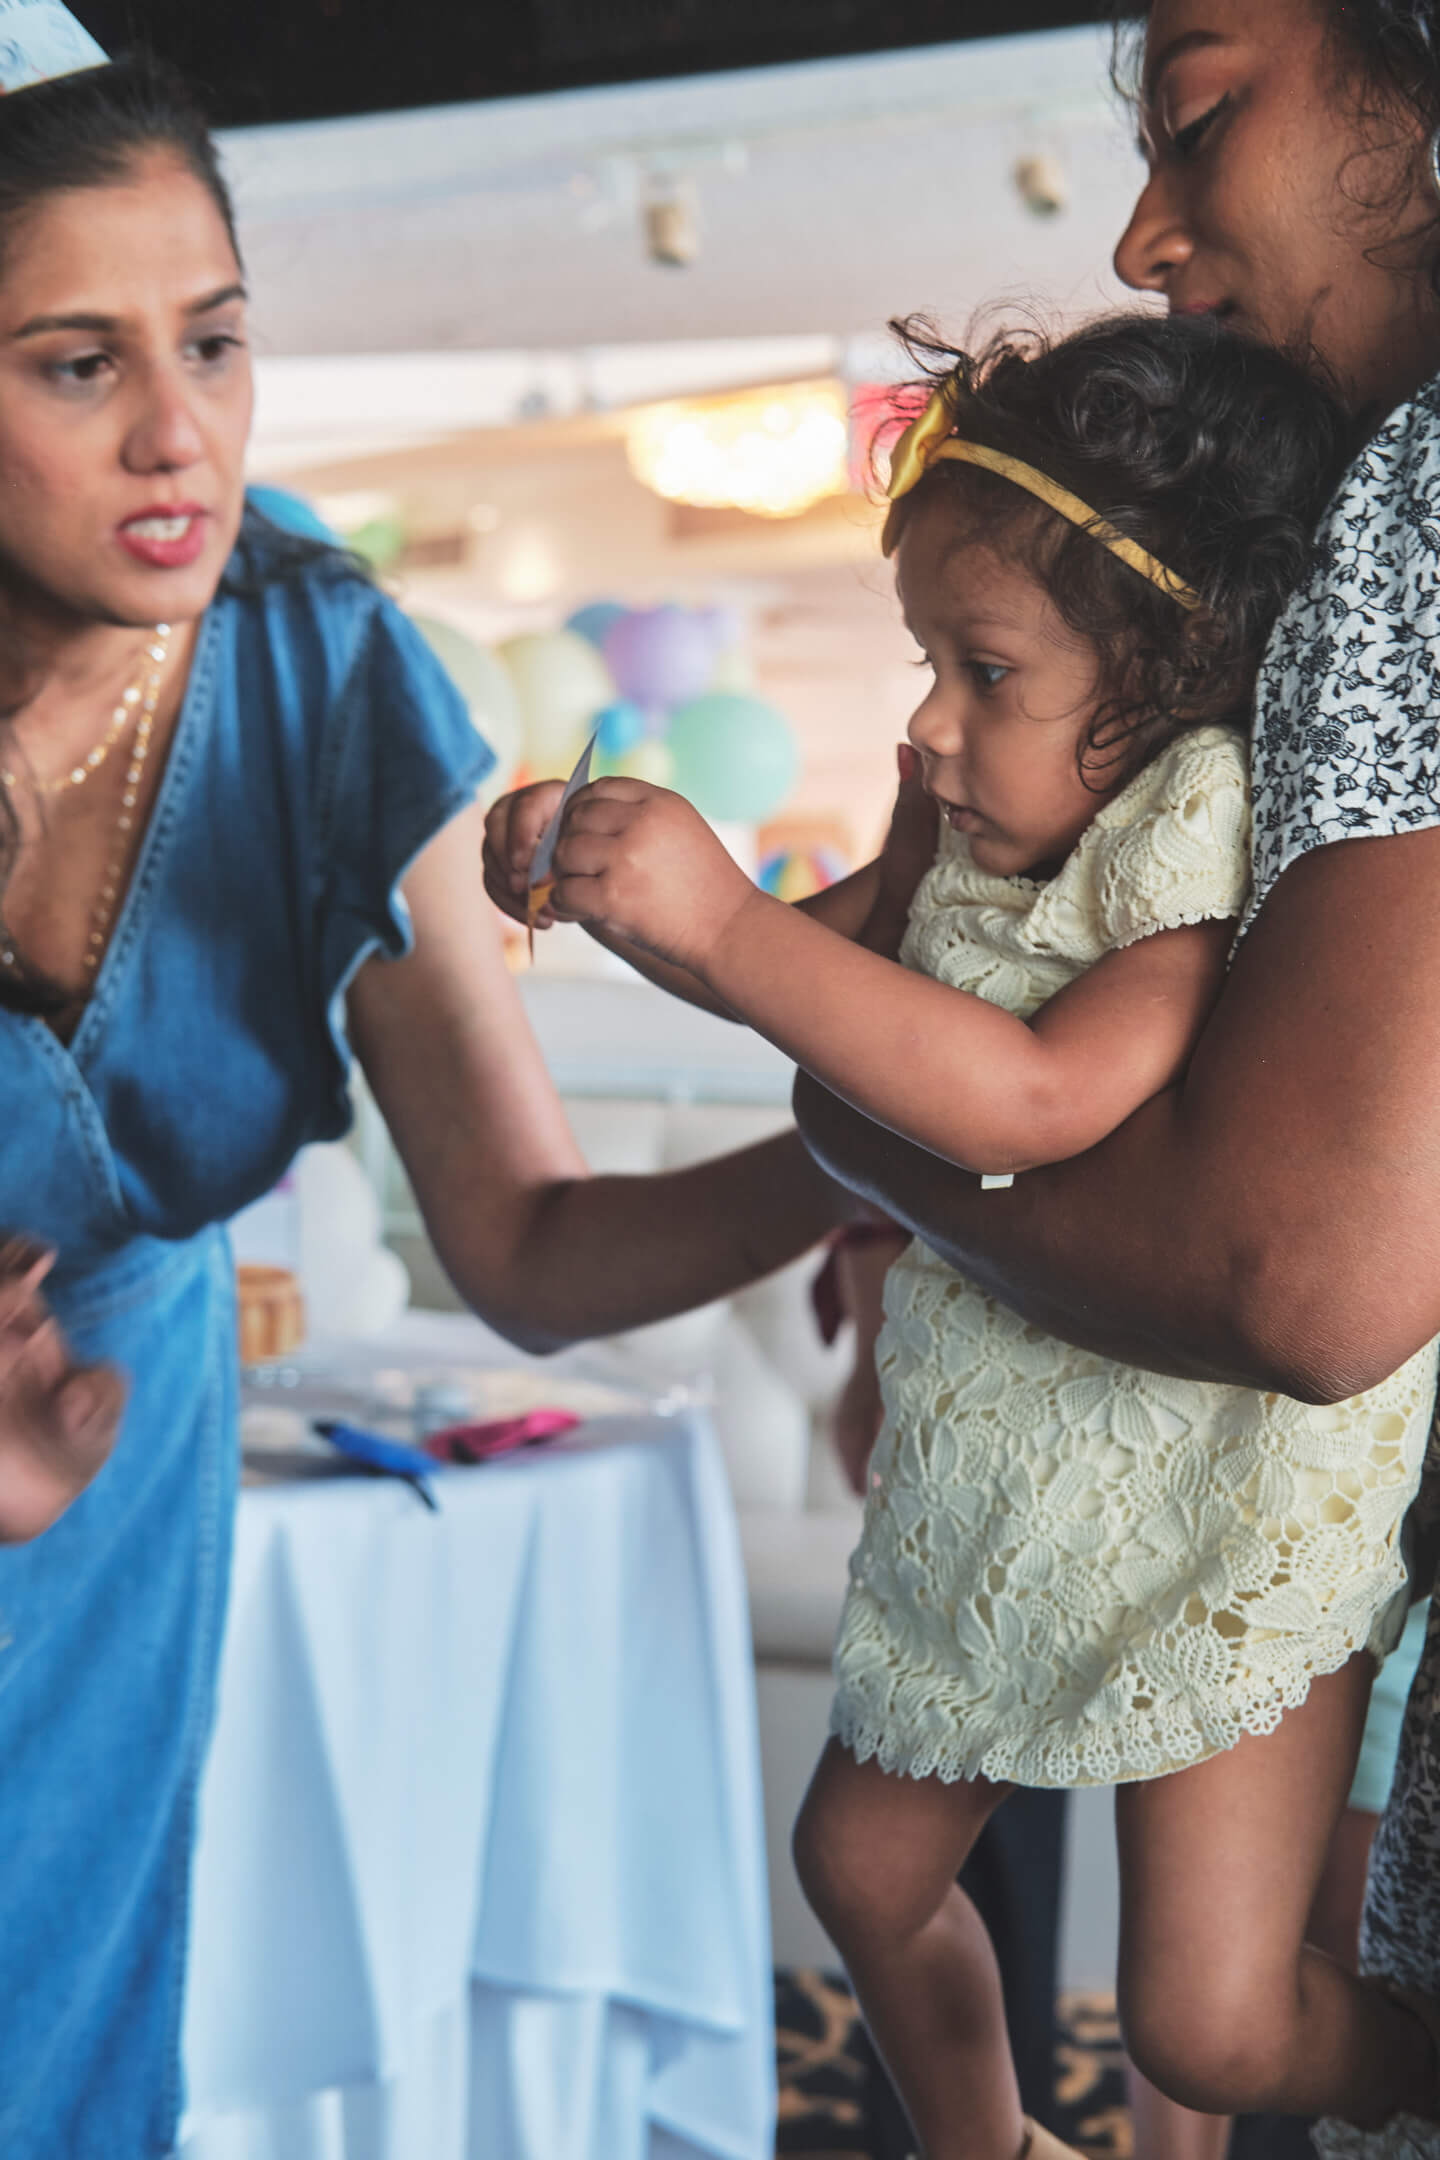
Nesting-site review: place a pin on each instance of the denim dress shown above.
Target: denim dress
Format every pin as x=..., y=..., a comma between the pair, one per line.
x=319, y=747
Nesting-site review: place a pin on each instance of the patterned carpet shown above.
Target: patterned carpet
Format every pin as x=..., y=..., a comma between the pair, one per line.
x=823, y=2078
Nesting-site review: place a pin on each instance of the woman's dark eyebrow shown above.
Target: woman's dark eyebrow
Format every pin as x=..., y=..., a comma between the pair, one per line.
x=107, y=325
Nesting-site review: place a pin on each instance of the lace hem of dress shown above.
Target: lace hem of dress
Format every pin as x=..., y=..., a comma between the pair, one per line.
x=1123, y=1750
x=1404, y=2137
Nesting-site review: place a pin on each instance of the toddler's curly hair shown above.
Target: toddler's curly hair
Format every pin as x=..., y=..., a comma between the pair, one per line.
x=1217, y=455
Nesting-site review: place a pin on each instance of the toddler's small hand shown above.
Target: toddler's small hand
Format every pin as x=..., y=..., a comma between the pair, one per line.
x=908, y=853
x=909, y=848
x=513, y=827
x=642, y=863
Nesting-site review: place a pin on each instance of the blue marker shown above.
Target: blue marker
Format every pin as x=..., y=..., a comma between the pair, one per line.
x=376, y=1453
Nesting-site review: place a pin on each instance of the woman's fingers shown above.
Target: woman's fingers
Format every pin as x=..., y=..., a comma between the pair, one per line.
x=56, y=1432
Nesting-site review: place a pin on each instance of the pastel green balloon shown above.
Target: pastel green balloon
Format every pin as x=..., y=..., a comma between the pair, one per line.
x=381, y=540
x=735, y=756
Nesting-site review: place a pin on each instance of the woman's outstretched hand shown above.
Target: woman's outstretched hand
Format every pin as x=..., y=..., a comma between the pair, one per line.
x=58, y=1420
x=513, y=827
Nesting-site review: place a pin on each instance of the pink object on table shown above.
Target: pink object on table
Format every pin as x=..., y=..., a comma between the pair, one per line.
x=497, y=1436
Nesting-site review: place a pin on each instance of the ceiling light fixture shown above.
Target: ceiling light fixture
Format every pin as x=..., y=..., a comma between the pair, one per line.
x=772, y=452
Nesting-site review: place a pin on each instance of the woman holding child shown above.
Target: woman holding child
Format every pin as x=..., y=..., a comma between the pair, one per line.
x=1261, y=1229
x=1274, y=1220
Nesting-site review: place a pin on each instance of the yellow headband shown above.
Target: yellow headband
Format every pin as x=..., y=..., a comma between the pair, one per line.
x=928, y=439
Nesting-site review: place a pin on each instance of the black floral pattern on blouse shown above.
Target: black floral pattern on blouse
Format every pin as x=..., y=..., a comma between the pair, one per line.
x=1347, y=728
x=1347, y=744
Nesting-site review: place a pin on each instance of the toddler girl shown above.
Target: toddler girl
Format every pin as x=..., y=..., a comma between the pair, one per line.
x=1072, y=1571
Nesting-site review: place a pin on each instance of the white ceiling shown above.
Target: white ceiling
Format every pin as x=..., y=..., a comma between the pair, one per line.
x=831, y=196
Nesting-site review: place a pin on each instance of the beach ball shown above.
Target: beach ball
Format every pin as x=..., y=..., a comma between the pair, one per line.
x=735, y=757
x=793, y=874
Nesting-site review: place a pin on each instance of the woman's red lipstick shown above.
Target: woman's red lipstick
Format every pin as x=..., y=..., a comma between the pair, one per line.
x=166, y=536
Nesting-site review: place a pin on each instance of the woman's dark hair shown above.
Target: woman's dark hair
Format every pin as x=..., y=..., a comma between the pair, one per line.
x=89, y=130
x=1215, y=455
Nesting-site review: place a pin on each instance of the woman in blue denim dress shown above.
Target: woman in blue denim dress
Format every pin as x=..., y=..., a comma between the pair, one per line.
x=208, y=890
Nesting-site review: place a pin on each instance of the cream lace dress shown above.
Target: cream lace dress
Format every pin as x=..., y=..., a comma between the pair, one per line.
x=1074, y=1572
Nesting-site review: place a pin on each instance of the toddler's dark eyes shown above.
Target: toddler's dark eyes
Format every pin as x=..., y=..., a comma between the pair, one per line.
x=988, y=673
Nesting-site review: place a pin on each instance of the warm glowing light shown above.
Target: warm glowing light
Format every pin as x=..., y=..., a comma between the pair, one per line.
x=773, y=452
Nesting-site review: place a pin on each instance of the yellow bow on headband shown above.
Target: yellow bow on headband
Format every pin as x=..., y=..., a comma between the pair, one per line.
x=928, y=439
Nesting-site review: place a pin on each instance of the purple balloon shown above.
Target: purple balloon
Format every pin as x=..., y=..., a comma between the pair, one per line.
x=660, y=656
x=724, y=627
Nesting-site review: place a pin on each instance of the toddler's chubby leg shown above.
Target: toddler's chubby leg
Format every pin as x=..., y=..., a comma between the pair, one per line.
x=878, y=1856
x=1224, y=2006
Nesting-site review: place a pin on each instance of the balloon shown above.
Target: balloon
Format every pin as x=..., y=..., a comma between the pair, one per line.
x=724, y=627
x=649, y=760
x=380, y=540
x=660, y=656
x=732, y=671
x=292, y=514
x=735, y=758
x=593, y=621
x=618, y=726
x=486, y=688
x=353, y=1284
x=561, y=682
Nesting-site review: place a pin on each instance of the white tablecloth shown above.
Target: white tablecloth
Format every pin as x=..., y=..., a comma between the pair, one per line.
x=481, y=1867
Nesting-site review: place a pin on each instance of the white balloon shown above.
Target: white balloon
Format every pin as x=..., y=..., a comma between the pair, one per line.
x=733, y=671
x=562, y=682
x=349, y=1284
x=382, y=1293
x=484, y=683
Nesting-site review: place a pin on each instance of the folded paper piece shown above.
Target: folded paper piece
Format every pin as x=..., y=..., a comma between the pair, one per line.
x=542, y=879
x=39, y=40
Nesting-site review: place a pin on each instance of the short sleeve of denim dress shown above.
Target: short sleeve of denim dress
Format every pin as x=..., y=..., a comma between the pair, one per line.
x=319, y=747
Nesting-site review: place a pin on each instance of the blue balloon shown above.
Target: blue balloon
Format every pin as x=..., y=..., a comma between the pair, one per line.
x=593, y=621
x=292, y=514
x=620, y=726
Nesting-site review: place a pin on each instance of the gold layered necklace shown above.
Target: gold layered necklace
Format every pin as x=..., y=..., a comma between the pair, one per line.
x=136, y=707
